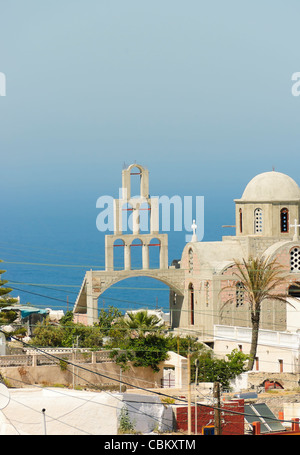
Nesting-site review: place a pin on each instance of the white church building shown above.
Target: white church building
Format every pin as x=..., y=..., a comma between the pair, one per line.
x=267, y=223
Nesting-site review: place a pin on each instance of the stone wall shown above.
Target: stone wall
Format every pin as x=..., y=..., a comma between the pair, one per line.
x=104, y=374
x=289, y=381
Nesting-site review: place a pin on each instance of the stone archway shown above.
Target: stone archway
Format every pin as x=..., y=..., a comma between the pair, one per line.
x=97, y=282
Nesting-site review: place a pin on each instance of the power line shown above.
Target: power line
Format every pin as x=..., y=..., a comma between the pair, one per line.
x=51, y=265
x=147, y=390
x=138, y=303
x=44, y=286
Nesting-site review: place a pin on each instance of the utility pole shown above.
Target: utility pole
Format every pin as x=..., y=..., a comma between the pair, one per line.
x=217, y=401
x=196, y=407
x=44, y=420
x=189, y=394
x=74, y=359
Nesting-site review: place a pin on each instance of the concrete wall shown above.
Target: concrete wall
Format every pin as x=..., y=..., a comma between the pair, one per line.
x=87, y=369
x=67, y=412
x=104, y=374
x=275, y=350
x=289, y=381
x=147, y=413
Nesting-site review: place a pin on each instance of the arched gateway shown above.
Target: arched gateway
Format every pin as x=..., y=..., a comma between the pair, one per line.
x=96, y=282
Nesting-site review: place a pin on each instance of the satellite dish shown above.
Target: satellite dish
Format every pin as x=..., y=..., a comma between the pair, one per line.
x=4, y=396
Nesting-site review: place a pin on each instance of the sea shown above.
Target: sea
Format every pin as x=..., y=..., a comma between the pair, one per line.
x=46, y=250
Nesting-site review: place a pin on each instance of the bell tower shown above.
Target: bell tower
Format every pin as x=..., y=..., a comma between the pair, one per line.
x=136, y=206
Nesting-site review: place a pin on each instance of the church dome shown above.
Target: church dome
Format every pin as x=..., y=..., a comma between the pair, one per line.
x=271, y=186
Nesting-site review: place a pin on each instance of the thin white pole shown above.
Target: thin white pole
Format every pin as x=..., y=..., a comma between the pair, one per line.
x=44, y=420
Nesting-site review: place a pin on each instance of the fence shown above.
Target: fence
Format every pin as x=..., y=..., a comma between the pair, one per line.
x=53, y=356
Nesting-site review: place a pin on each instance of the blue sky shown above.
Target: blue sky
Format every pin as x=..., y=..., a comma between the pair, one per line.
x=198, y=92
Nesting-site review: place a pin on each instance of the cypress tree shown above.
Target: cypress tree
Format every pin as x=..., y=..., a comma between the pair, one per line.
x=6, y=299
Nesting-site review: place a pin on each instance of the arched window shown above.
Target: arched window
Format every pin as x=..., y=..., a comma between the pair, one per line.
x=119, y=254
x=284, y=220
x=127, y=224
x=136, y=254
x=191, y=260
x=258, y=221
x=191, y=304
x=144, y=217
x=239, y=294
x=154, y=253
x=241, y=220
x=135, y=181
x=295, y=259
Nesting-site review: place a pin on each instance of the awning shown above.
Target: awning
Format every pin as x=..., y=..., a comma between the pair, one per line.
x=25, y=310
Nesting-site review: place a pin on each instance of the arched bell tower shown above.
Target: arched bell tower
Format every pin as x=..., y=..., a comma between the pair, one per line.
x=136, y=205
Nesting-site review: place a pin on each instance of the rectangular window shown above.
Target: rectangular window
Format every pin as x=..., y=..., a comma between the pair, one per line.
x=258, y=221
x=280, y=365
x=284, y=220
x=241, y=221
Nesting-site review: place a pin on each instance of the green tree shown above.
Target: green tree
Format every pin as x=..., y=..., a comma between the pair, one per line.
x=138, y=337
x=66, y=334
x=67, y=318
x=213, y=369
x=184, y=345
x=260, y=279
x=46, y=334
x=7, y=316
x=143, y=351
x=142, y=322
x=107, y=318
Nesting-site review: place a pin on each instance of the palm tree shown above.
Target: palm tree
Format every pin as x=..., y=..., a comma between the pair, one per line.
x=142, y=322
x=260, y=280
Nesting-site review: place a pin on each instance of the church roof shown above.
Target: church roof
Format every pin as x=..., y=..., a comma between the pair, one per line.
x=216, y=255
x=270, y=187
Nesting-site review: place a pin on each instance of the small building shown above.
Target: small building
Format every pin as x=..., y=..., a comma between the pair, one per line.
x=231, y=423
x=27, y=314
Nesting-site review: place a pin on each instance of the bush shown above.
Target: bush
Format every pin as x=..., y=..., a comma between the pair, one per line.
x=66, y=335
x=125, y=424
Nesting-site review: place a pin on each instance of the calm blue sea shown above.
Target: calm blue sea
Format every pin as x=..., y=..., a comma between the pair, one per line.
x=47, y=249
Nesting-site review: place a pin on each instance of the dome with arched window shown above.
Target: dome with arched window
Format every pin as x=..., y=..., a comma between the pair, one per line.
x=269, y=206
